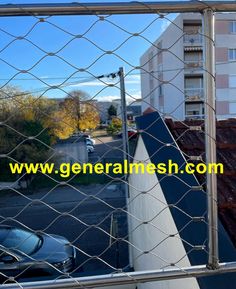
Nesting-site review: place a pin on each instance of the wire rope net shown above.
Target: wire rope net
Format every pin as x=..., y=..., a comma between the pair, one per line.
x=68, y=207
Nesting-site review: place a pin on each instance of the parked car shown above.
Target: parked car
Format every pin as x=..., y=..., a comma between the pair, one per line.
x=132, y=133
x=90, y=148
x=90, y=141
x=33, y=254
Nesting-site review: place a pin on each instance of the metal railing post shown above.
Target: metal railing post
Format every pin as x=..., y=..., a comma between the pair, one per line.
x=210, y=136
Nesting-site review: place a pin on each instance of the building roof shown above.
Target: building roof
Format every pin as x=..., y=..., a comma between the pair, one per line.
x=134, y=109
x=192, y=143
x=185, y=197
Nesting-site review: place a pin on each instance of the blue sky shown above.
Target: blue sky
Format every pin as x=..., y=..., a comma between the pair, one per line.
x=56, y=35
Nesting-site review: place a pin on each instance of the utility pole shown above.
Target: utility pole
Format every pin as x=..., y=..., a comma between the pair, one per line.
x=125, y=140
x=124, y=115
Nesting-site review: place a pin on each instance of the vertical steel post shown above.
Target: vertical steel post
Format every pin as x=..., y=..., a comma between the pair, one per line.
x=124, y=115
x=210, y=136
x=125, y=145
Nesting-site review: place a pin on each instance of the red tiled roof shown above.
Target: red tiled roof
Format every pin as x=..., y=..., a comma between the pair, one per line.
x=192, y=144
x=148, y=110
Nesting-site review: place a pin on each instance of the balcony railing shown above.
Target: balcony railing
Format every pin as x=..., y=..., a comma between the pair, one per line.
x=193, y=64
x=194, y=94
x=194, y=116
x=193, y=39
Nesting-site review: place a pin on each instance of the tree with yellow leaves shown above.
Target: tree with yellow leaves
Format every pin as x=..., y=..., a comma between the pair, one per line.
x=61, y=124
x=89, y=118
x=115, y=126
x=82, y=110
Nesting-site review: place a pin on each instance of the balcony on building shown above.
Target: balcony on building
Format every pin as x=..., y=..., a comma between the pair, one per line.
x=194, y=111
x=192, y=34
x=194, y=94
x=194, y=116
x=193, y=88
x=193, y=59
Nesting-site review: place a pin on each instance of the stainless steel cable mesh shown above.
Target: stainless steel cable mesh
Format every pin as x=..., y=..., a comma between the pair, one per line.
x=56, y=67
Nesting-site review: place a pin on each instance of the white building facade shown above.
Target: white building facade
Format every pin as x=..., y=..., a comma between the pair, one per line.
x=172, y=70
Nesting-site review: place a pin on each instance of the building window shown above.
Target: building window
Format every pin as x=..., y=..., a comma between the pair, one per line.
x=159, y=53
x=232, y=108
x=161, y=101
x=193, y=59
x=193, y=87
x=232, y=81
x=232, y=27
x=191, y=83
x=150, y=61
x=193, y=56
x=194, y=110
x=160, y=88
x=192, y=33
x=151, y=82
x=152, y=100
x=232, y=54
x=160, y=69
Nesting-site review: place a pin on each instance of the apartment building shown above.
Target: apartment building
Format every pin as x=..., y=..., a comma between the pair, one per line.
x=172, y=74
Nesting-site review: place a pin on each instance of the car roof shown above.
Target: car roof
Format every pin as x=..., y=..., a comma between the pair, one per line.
x=4, y=230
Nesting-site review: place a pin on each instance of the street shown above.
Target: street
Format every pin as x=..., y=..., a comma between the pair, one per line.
x=84, y=220
x=107, y=148
x=81, y=213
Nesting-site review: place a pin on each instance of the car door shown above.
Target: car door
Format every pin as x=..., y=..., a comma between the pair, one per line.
x=9, y=265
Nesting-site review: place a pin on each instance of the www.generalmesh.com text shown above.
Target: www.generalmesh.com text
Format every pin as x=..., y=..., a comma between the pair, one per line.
x=67, y=169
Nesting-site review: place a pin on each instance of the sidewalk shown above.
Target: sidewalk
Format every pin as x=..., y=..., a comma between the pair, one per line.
x=63, y=194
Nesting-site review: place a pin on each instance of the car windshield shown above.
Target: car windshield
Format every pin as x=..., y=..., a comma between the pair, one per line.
x=18, y=239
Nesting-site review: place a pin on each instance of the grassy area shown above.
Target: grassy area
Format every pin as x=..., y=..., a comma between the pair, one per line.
x=99, y=133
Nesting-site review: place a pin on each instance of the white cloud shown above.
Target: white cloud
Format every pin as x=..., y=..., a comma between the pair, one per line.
x=130, y=97
x=135, y=76
x=164, y=24
x=107, y=97
x=90, y=83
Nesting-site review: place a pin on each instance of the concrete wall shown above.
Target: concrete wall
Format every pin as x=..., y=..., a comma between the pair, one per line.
x=147, y=204
x=172, y=64
x=67, y=152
